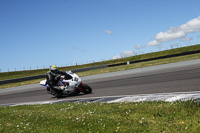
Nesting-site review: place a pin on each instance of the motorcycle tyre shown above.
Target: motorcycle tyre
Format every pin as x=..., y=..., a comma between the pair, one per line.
x=86, y=89
x=77, y=91
x=48, y=90
x=58, y=93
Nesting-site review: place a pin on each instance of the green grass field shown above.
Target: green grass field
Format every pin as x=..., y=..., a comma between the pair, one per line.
x=145, y=117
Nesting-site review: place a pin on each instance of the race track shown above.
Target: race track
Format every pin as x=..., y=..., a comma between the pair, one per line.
x=174, y=77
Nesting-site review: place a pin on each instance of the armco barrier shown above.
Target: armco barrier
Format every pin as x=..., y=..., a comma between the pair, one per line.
x=99, y=67
x=9, y=81
x=156, y=58
x=89, y=68
x=167, y=56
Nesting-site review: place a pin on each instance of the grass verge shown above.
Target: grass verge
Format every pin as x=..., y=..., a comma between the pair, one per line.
x=102, y=117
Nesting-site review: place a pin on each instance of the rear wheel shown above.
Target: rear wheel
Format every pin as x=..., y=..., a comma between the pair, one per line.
x=86, y=89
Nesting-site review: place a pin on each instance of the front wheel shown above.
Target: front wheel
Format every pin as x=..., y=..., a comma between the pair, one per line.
x=48, y=90
x=86, y=89
x=58, y=94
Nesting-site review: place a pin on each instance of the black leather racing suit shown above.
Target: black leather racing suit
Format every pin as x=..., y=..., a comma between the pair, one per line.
x=52, y=80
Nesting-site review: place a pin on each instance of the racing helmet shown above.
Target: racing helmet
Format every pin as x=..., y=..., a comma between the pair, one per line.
x=54, y=69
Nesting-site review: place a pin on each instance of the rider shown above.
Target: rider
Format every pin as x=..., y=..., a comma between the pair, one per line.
x=53, y=76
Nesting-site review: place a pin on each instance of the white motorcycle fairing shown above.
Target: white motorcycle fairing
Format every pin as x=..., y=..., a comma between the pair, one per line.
x=73, y=85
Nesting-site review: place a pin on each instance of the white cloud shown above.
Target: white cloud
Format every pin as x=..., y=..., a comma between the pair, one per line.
x=176, y=32
x=186, y=39
x=175, y=44
x=169, y=36
x=138, y=46
x=108, y=32
x=117, y=57
x=191, y=26
x=125, y=54
x=153, y=43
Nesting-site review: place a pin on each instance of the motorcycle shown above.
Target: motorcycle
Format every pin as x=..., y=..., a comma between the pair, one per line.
x=69, y=86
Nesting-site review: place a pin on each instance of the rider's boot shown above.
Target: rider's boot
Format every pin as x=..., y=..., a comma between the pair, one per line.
x=57, y=93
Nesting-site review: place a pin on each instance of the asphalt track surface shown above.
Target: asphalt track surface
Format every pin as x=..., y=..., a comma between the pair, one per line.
x=169, y=78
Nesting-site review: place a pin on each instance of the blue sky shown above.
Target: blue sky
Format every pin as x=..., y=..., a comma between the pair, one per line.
x=39, y=33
